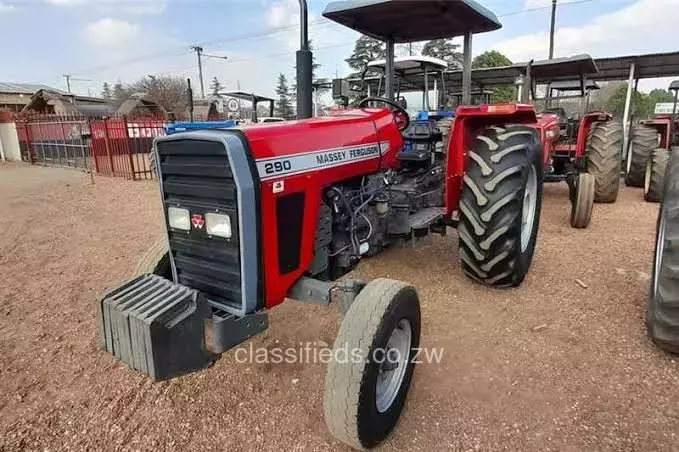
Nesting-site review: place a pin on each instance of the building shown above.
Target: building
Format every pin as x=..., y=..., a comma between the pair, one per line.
x=46, y=101
x=15, y=96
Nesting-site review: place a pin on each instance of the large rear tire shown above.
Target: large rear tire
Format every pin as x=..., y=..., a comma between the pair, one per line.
x=603, y=153
x=654, y=179
x=365, y=393
x=500, y=205
x=662, y=314
x=643, y=140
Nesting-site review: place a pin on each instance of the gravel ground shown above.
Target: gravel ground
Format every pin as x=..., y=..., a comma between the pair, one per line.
x=561, y=363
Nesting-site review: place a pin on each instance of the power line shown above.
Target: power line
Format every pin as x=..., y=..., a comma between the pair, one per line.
x=263, y=34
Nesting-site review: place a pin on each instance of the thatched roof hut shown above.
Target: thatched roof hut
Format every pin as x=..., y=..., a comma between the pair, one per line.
x=141, y=104
x=67, y=104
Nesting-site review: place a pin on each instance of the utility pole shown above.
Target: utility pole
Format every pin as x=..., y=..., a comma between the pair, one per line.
x=551, y=31
x=199, y=50
x=70, y=77
x=551, y=51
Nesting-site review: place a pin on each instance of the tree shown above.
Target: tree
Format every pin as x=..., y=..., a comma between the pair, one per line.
x=283, y=106
x=616, y=103
x=367, y=49
x=119, y=93
x=168, y=91
x=444, y=49
x=490, y=58
x=657, y=96
x=493, y=58
x=106, y=91
x=216, y=86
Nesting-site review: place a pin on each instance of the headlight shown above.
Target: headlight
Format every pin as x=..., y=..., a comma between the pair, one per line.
x=218, y=224
x=179, y=218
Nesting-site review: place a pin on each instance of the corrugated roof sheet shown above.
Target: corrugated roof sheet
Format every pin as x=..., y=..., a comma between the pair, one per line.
x=25, y=88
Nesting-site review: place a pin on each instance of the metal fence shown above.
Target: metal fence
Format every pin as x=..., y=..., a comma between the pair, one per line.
x=56, y=141
x=116, y=146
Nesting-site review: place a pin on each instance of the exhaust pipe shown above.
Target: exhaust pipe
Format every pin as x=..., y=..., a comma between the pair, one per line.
x=304, y=67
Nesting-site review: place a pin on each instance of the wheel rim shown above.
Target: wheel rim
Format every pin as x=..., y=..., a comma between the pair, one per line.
x=393, y=368
x=659, y=244
x=629, y=158
x=530, y=199
x=647, y=176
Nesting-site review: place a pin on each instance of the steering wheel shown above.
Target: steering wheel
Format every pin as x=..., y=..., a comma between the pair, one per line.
x=400, y=114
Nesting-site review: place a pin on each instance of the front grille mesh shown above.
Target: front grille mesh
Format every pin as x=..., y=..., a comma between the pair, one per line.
x=196, y=175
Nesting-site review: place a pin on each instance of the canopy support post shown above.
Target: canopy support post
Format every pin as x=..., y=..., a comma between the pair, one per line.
x=467, y=69
x=389, y=69
x=625, y=115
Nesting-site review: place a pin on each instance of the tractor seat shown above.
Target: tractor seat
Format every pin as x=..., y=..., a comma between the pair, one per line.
x=560, y=112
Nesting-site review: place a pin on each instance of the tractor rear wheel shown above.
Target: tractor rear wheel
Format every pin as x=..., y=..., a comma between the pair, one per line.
x=662, y=314
x=372, y=365
x=654, y=178
x=603, y=154
x=156, y=260
x=500, y=205
x=643, y=140
x=582, y=201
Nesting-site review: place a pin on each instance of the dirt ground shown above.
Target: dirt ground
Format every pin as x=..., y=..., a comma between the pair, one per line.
x=552, y=365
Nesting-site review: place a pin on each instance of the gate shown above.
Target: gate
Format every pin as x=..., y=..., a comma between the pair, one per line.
x=122, y=147
x=57, y=141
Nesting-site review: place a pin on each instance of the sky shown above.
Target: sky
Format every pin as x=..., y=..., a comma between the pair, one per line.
x=101, y=41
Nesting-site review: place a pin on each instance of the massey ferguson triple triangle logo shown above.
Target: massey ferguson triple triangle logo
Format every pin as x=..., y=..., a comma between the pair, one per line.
x=197, y=220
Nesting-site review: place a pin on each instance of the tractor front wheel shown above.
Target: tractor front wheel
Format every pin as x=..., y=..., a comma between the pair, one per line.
x=662, y=314
x=372, y=364
x=603, y=153
x=643, y=140
x=156, y=260
x=500, y=205
x=654, y=179
x=582, y=200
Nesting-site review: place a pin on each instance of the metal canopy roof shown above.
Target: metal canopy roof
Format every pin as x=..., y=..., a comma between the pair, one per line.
x=246, y=96
x=573, y=85
x=412, y=64
x=649, y=65
x=412, y=20
x=542, y=71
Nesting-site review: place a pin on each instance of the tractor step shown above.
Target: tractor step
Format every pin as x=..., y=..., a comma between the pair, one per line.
x=426, y=217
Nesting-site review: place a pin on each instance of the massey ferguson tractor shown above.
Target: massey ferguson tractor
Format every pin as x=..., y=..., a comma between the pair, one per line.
x=260, y=213
x=650, y=145
x=584, y=149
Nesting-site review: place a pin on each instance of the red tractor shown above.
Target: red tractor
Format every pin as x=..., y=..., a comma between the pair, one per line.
x=584, y=150
x=650, y=143
x=260, y=213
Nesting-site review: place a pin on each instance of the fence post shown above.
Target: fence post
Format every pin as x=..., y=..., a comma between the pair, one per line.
x=92, y=152
x=108, y=146
x=127, y=147
x=29, y=143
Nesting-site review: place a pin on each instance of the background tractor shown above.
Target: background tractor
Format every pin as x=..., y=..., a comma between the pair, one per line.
x=263, y=212
x=650, y=144
x=582, y=148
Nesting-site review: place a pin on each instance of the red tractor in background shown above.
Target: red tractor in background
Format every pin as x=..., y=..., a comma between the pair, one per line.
x=650, y=144
x=584, y=149
x=260, y=213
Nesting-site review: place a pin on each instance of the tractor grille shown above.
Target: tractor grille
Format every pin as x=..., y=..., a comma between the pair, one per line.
x=196, y=175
